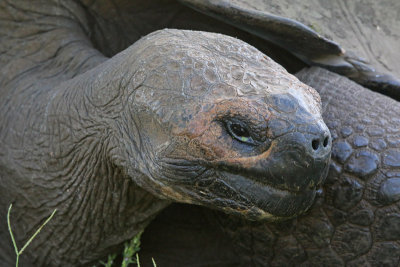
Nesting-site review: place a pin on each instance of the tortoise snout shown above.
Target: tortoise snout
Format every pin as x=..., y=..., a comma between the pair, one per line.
x=320, y=146
x=298, y=160
x=319, y=142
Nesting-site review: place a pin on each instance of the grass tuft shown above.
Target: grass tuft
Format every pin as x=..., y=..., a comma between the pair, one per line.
x=110, y=260
x=131, y=248
x=130, y=254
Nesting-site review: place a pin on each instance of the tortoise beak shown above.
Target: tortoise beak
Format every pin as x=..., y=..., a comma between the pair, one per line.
x=292, y=163
x=283, y=180
x=298, y=161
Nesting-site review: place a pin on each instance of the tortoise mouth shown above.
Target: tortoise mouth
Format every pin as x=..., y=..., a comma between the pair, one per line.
x=265, y=201
x=278, y=184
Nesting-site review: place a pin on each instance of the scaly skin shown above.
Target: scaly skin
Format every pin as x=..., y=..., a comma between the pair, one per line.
x=355, y=222
x=182, y=116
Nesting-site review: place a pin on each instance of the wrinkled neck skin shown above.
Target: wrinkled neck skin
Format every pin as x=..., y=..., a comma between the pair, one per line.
x=61, y=129
x=87, y=124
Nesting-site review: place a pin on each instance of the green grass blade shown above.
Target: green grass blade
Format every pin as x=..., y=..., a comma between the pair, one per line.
x=137, y=260
x=154, y=263
x=37, y=232
x=10, y=231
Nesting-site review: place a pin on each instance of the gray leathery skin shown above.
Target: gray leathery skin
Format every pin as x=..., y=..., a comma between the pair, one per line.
x=48, y=158
x=80, y=133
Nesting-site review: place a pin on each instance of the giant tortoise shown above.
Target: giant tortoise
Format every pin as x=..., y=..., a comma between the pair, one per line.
x=197, y=118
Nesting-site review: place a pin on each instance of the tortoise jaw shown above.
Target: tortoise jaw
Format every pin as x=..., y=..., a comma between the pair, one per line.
x=275, y=190
x=244, y=191
x=263, y=201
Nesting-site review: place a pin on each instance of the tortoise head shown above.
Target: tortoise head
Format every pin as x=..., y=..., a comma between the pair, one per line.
x=226, y=127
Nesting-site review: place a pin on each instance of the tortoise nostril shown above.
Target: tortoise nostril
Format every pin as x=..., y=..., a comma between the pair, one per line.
x=326, y=140
x=315, y=144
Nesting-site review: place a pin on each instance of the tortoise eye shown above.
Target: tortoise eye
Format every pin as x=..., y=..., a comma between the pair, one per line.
x=239, y=132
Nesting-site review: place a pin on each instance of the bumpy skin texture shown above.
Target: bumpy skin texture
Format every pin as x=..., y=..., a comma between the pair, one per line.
x=183, y=116
x=355, y=222
x=362, y=191
x=85, y=135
